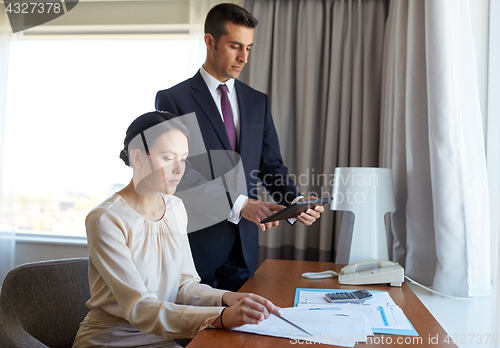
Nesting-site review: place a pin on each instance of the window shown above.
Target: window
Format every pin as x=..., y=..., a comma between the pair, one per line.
x=67, y=112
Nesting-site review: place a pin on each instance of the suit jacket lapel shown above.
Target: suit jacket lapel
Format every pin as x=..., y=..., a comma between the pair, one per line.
x=245, y=119
x=206, y=103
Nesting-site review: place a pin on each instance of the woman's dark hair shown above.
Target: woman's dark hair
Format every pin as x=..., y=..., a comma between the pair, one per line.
x=154, y=124
x=219, y=15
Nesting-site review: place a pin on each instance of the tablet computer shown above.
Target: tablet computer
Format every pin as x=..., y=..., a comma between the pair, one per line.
x=295, y=209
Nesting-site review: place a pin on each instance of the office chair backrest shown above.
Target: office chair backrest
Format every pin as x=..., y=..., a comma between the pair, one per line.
x=43, y=303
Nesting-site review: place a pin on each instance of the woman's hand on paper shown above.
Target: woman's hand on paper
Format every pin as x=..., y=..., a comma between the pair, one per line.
x=244, y=308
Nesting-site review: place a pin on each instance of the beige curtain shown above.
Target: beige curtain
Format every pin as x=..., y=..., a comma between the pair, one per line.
x=432, y=138
x=320, y=62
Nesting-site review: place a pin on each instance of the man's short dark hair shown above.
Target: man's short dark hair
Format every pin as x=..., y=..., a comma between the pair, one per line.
x=219, y=15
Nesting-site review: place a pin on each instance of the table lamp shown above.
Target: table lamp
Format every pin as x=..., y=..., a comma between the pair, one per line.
x=368, y=193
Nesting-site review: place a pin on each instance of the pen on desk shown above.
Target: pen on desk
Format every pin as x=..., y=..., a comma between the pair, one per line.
x=292, y=323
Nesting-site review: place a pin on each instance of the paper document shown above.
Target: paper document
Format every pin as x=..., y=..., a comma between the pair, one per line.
x=382, y=313
x=329, y=327
x=386, y=317
x=344, y=307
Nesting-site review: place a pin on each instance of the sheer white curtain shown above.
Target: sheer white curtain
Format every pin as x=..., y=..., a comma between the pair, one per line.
x=496, y=300
x=9, y=44
x=432, y=138
x=198, y=10
x=493, y=153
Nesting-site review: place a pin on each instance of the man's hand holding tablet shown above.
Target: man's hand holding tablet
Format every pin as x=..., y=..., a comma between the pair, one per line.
x=263, y=214
x=306, y=210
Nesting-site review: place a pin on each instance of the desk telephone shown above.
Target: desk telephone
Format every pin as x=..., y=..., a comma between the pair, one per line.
x=365, y=272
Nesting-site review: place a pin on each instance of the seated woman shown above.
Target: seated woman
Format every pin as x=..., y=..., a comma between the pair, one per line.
x=145, y=290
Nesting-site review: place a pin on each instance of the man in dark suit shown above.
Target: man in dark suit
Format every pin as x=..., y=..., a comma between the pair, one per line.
x=233, y=117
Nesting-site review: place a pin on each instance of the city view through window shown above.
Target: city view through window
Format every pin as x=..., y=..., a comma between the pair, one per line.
x=67, y=113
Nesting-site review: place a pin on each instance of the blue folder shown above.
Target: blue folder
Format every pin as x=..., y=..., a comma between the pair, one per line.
x=411, y=332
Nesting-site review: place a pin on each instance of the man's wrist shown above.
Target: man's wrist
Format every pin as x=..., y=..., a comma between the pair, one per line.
x=235, y=214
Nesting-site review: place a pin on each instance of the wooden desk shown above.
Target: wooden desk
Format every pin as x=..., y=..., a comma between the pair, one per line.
x=277, y=281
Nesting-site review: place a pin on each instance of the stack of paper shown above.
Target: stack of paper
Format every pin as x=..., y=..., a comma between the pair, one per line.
x=383, y=315
x=328, y=327
x=335, y=324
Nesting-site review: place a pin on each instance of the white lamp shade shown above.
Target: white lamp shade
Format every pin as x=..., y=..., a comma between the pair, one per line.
x=368, y=193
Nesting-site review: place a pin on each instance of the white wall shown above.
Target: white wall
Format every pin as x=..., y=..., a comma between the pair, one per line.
x=31, y=251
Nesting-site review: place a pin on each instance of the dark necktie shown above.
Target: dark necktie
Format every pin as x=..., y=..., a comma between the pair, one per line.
x=227, y=114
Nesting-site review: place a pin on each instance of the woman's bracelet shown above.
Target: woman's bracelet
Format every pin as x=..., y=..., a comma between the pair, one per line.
x=221, y=318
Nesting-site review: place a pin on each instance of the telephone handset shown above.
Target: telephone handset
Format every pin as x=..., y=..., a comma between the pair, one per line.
x=365, y=272
x=372, y=272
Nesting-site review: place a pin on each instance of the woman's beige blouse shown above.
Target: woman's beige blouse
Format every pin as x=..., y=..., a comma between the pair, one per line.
x=143, y=270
